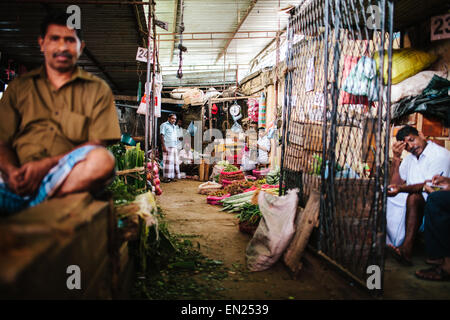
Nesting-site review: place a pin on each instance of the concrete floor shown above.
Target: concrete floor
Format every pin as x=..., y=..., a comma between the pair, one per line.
x=187, y=213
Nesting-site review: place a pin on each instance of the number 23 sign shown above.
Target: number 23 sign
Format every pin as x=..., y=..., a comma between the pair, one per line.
x=440, y=27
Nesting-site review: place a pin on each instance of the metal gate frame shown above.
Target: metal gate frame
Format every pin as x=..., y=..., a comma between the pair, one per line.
x=358, y=237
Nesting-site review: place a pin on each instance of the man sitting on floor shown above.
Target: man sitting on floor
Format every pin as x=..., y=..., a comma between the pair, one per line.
x=437, y=231
x=186, y=160
x=55, y=122
x=405, y=206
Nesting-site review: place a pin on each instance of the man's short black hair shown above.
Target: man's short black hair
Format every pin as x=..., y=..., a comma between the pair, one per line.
x=59, y=18
x=406, y=131
x=172, y=114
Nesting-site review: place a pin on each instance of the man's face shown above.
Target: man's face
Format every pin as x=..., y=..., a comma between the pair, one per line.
x=172, y=119
x=61, y=47
x=415, y=144
x=261, y=133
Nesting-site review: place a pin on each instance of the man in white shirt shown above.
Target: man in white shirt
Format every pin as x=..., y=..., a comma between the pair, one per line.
x=407, y=198
x=169, y=142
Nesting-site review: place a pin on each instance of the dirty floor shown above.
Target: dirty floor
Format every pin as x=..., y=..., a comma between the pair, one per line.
x=216, y=234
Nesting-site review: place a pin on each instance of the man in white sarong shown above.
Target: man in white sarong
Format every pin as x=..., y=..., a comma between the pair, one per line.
x=405, y=205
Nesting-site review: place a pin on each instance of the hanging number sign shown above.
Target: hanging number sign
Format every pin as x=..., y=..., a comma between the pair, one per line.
x=142, y=55
x=440, y=27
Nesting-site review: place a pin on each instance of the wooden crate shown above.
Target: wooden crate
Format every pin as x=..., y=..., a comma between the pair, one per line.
x=43, y=241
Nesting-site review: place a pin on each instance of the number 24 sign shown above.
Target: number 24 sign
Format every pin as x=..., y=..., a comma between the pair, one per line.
x=440, y=27
x=141, y=55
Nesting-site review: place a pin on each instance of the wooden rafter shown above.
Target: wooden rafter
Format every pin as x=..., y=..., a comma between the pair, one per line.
x=225, y=48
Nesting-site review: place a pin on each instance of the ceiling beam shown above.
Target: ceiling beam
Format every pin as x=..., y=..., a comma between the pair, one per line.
x=175, y=14
x=249, y=9
x=141, y=30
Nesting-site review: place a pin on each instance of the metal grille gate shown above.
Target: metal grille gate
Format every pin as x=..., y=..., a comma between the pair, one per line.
x=336, y=116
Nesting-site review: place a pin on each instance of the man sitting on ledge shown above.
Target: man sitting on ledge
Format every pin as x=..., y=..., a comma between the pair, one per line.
x=405, y=207
x=55, y=123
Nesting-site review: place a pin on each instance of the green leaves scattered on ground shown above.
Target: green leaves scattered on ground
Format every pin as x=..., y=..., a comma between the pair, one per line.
x=176, y=270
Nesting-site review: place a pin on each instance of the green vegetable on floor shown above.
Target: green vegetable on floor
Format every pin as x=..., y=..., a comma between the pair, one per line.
x=249, y=213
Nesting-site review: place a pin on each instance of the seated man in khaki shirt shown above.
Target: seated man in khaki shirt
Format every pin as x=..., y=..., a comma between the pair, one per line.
x=55, y=123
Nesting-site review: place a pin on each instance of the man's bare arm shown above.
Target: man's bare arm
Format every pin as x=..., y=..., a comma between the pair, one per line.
x=32, y=173
x=163, y=145
x=8, y=158
x=397, y=150
x=9, y=166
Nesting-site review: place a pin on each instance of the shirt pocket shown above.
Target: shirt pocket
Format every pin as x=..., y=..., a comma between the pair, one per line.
x=74, y=126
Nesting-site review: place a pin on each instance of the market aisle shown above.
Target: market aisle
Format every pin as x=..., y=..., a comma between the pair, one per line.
x=217, y=233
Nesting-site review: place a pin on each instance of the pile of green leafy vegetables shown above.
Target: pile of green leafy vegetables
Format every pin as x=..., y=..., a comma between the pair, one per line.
x=127, y=158
x=250, y=213
x=125, y=191
x=231, y=168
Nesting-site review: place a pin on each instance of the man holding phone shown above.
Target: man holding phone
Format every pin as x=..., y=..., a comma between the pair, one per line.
x=406, y=193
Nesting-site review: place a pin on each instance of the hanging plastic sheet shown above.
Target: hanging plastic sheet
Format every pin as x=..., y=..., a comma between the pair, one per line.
x=192, y=129
x=433, y=101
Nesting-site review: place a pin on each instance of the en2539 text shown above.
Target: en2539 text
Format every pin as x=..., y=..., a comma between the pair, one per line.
x=246, y=309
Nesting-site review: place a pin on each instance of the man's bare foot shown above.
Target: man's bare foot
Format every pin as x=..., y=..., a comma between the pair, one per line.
x=435, y=274
x=400, y=256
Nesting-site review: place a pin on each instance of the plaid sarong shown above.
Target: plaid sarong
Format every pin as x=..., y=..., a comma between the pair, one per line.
x=11, y=202
x=171, y=166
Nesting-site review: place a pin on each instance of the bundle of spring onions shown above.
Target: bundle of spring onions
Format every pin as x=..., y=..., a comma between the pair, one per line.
x=238, y=202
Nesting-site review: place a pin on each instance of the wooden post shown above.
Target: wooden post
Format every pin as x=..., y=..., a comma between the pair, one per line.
x=305, y=223
x=209, y=117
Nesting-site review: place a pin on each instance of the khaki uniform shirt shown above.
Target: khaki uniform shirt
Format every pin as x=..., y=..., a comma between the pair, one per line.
x=39, y=121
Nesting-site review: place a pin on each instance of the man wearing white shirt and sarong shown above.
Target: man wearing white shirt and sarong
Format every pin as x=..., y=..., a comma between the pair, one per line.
x=405, y=205
x=169, y=142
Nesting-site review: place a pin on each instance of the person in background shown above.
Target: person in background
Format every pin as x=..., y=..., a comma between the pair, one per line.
x=406, y=200
x=186, y=160
x=180, y=134
x=169, y=141
x=55, y=123
x=437, y=230
x=263, y=148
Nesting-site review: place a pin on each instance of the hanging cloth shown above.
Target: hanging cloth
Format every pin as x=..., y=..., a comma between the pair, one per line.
x=262, y=111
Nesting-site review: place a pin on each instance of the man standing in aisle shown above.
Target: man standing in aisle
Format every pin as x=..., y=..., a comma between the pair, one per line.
x=406, y=204
x=55, y=123
x=169, y=142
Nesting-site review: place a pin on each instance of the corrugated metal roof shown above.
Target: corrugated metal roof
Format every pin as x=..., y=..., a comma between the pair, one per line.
x=110, y=33
x=222, y=16
x=113, y=33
